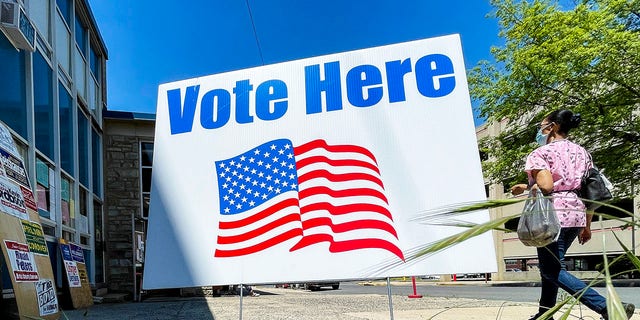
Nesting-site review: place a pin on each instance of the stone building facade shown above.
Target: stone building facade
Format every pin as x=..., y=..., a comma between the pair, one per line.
x=124, y=201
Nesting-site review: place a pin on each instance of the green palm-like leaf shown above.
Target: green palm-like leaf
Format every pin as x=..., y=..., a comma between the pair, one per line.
x=549, y=313
x=628, y=253
x=447, y=216
x=465, y=207
x=473, y=231
x=614, y=304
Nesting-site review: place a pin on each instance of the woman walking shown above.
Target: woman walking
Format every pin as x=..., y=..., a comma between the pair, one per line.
x=556, y=168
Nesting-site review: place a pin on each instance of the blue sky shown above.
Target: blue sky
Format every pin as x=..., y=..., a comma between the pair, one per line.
x=154, y=42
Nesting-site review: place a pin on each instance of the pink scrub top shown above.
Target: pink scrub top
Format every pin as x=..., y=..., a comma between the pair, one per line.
x=567, y=163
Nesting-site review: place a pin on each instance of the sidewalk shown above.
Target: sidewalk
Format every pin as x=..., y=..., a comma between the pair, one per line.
x=279, y=303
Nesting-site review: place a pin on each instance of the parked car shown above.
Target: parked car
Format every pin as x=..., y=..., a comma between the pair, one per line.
x=315, y=286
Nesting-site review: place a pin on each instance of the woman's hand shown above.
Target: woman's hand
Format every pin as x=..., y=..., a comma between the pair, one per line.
x=519, y=189
x=585, y=235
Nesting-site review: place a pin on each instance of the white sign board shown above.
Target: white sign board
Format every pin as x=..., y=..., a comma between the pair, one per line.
x=313, y=169
x=47, y=298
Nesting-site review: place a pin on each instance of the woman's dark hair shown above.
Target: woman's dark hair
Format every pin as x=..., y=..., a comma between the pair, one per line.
x=566, y=119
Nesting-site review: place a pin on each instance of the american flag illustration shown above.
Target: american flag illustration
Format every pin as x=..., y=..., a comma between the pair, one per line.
x=315, y=192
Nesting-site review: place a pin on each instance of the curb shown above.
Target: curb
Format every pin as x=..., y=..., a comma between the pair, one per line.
x=482, y=283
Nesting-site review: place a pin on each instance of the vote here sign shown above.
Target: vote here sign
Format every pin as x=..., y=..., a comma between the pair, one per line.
x=313, y=169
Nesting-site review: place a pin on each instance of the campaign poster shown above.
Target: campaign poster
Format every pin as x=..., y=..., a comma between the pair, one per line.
x=22, y=262
x=14, y=168
x=29, y=200
x=76, y=253
x=65, y=250
x=35, y=237
x=316, y=169
x=11, y=199
x=73, y=275
x=70, y=266
x=47, y=298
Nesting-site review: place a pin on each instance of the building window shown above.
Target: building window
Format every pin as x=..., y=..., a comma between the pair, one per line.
x=66, y=203
x=146, y=161
x=81, y=34
x=79, y=64
x=65, y=8
x=80, y=74
x=44, y=181
x=68, y=235
x=49, y=230
x=83, y=220
x=43, y=104
x=92, y=95
x=39, y=14
x=96, y=162
x=63, y=44
x=94, y=62
x=93, y=84
x=66, y=129
x=99, y=244
x=24, y=152
x=83, y=148
x=13, y=90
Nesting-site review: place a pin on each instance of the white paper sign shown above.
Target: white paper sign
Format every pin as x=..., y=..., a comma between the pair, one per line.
x=23, y=264
x=83, y=223
x=6, y=140
x=53, y=208
x=313, y=169
x=47, y=298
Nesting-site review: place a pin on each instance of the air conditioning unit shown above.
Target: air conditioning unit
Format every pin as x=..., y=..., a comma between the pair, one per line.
x=16, y=25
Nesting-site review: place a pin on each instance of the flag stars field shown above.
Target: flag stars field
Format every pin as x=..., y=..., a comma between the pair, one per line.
x=261, y=174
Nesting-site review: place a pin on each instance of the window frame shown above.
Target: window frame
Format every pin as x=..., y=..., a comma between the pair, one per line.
x=144, y=214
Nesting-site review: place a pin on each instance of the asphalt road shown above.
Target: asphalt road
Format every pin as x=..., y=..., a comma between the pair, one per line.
x=471, y=291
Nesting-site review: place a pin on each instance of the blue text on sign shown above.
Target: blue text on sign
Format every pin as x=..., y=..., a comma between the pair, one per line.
x=434, y=78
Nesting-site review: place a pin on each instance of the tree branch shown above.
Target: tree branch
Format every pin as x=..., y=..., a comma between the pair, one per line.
x=560, y=92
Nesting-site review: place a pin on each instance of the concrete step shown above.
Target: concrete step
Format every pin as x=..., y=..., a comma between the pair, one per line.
x=101, y=292
x=115, y=297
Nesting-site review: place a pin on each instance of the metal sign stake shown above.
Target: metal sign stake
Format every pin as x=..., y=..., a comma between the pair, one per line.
x=390, y=300
x=241, y=285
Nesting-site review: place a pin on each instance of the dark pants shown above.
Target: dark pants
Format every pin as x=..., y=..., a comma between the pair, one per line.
x=554, y=274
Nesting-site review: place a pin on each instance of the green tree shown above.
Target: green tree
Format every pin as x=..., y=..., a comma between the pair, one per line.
x=584, y=57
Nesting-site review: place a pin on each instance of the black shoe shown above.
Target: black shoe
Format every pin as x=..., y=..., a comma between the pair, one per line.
x=539, y=316
x=629, y=308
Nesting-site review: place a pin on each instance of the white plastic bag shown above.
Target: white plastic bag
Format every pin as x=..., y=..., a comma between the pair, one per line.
x=539, y=224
